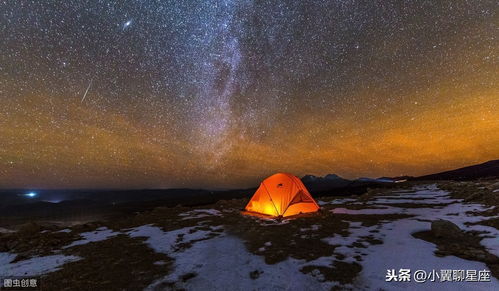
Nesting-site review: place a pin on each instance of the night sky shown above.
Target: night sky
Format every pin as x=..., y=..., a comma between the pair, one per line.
x=219, y=94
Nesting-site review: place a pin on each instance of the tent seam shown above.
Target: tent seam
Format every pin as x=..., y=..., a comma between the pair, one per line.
x=289, y=204
x=270, y=197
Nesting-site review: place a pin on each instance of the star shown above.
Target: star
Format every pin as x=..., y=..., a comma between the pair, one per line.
x=222, y=93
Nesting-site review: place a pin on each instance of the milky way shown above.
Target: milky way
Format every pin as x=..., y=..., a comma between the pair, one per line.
x=223, y=93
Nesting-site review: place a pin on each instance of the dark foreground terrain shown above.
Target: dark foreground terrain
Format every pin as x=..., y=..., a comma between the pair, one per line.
x=351, y=243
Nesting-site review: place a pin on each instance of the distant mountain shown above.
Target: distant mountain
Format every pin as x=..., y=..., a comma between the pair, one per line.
x=332, y=184
x=321, y=184
x=488, y=169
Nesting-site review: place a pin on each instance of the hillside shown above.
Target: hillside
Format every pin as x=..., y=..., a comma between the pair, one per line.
x=488, y=169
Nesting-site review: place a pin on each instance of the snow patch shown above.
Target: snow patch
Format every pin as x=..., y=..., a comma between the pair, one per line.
x=414, y=254
x=33, y=267
x=169, y=241
x=66, y=230
x=386, y=210
x=313, y=227
x=410, y=252
x=200, y=213
x=336, y=201
x=6, y=258
x=100, y=234
x=223, y=263
x=5, y=230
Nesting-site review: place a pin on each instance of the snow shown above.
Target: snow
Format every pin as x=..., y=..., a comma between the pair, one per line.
x=355, y=233
x=223, y=263
x=313, y=227
x=265, y=245
x=159, y=240
x=345, y=243
x=456, y=212
x=66, y=230
x=419, y=195
x=5, y=230
x=412, y=253
x=33, y=267
x=200, y=213
x=271, y=221
x=168, y=241
x=100, y=234
x=386, y=210
x=6, y=258
x=336, y=201
x=491, y=238
x=409, y=200
x=430, y=195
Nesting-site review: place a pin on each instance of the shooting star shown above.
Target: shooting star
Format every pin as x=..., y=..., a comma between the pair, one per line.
x=86, y=91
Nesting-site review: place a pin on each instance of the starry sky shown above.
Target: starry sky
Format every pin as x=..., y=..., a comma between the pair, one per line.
x=220, y=94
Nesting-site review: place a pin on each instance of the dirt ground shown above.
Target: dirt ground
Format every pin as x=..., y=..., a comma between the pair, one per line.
x=124, y=262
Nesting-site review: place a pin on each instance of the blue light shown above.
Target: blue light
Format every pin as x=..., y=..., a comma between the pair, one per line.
x=31, y=194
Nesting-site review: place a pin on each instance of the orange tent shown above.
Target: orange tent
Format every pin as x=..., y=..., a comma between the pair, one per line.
x=282, y=195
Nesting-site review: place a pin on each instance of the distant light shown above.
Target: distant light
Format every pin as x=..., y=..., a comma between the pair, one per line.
x=30, y=194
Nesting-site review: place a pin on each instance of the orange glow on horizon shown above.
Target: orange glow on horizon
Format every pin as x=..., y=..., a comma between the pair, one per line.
x=111, y=150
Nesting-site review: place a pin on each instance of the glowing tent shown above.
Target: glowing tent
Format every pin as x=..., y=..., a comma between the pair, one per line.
x=282, y=195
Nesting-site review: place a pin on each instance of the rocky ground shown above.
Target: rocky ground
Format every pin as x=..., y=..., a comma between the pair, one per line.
x=350, y=244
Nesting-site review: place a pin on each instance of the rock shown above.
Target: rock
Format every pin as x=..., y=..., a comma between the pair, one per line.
x=3, y=247
x=480, y=255
x=473, y=197
x=255, y=274
x=11, y=245
x=445, y=229
x=30, y=228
